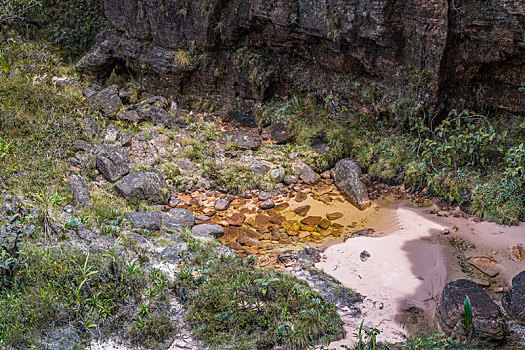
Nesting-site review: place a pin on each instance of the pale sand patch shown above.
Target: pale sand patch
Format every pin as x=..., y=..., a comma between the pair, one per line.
x=404, y=270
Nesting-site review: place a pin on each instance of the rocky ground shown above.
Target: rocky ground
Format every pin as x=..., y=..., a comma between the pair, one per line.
x=173, y=172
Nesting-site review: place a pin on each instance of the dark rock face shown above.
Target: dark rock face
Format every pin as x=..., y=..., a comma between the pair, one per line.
x=348, y=177
x=514, y=299
x=106, y=101
x=149, y=220
x=143, y=185
x=466, y=48
x=80, y=190
x=487, y=321
x=112, y=162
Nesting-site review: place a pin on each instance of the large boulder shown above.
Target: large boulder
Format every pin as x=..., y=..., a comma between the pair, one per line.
x=106, y=101
x=487, y=321
x=348, y=177
x=246, y=140
x=146, y=185
x=514, y=299
x=305, y=173
x=80, y=190
x=113, y=162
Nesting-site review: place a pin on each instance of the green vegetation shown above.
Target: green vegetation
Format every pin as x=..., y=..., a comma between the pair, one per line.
x=69, y=25
x=473, y=160
x=53, y=286
x=231, y=301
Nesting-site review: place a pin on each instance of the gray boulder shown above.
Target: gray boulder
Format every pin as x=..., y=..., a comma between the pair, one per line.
x=348, y=177
x=146, y=185
x=306, y=173
x=487, y=321
x=277, y=174
x=208, y=230
x=106, y=101
x=178, y=216
x=150, y=220
x=514, y=299
x=246, y=140
x=80, y=190
x=113, y=162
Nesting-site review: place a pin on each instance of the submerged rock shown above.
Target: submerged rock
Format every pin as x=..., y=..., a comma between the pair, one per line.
x=514, y=299
x=487, y=321
x=348, y=177
x=143, y=185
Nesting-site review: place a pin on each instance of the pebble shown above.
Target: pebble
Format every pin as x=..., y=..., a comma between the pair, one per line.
x=269, y=204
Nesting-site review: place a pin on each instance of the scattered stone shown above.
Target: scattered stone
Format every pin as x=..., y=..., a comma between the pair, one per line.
x=112, y=162
x=221, y=204
x=143, y=185
x=311, y=220
x=487, y=321
x=206, y=230
x=364, y=255
x=277, y=133
x=485, y=264
x=236, y=219
x=112, y=133
x=514, y=299
x=251, y=242
x=80, y=190
x=12, y=205
x=334, y=216
x=325, y=175
x=259, y=169
x=178, y=216
x=302, y=210
x=363, y=233
x=277, y=175
x=264, y=196
x=300, y=197
x=446, y=231
x=106, y=101
x=281, y=206
x=324, y=224
x=349, y=178
x=81, y=146
x=131, y=115
x=246, y=140
x=159, y=116
x=290, y=179
x=149, y=220
x=125, y=139
x=518, y=253
x=306, y=173
x=235, y=245
x=174, y=255
x=269, y=204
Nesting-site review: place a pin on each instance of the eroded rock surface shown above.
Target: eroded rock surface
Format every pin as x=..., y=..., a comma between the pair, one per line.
x=143, y=185
x=466, y=49
x=487, y=321
x=514, y=299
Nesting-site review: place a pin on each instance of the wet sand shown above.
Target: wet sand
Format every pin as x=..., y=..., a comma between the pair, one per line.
x=409, y=266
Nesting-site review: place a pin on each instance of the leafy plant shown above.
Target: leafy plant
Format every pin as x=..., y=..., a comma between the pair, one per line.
x=467, y=317
x=6, y=148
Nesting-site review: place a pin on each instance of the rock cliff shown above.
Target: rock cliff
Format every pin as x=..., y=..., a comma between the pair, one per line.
x=472, y=52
